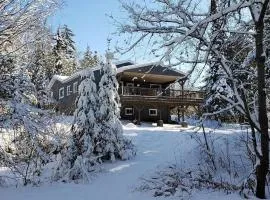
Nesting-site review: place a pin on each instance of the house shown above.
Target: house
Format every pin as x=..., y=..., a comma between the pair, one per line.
x=146, y=91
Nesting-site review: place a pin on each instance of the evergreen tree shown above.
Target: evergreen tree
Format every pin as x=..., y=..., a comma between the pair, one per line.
x=65, y=52
x=216, y=84
x=97, y=133
x=15, y=82
x=26, y=152
x=110, y=143
x=37, y=67
x=7, y=67
x=267, y=43
x=79, y=159
x=41, y=64
x=90, y=59
x=24, y=89
x=57, y=52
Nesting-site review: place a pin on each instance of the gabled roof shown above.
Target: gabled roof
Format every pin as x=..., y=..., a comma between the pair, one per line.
x=65, y=79
x=147, y=68
x=157, y=68
x=124, y=63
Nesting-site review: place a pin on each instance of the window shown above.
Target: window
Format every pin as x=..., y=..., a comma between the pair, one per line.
x=68, y=90
x=158, y=86
x=152, y=112
x=75, y=87
x=51, y=94
x=130, y=85
x=61, y=93
x=128, y=111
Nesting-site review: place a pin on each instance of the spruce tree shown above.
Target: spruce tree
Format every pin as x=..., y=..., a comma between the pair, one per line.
x=97, y=133
x=89, y=59
x=65, y=52
x=216, y=82
x=37, y=67
x=267, y=43
x=7, y=67
x=110, y=144
x=78, y=158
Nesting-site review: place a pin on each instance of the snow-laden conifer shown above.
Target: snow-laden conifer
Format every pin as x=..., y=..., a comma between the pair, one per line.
x=110, y=143
x=65, y=52
x=78, y=158
x=90, y=59
x=97, y=133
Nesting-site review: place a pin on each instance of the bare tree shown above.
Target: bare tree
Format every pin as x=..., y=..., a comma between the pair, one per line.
x=21, y=23
x=18, y=17
x=170, y=27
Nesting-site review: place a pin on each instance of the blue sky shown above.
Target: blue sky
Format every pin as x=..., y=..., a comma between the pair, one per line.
x=88, y=21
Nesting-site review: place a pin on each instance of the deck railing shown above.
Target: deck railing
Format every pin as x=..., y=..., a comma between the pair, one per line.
x=157, y=92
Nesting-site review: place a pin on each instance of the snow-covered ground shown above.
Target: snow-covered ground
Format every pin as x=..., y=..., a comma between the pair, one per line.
x=156, y=147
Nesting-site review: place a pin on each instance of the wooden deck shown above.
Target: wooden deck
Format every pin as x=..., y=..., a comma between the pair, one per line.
x=165, y=100
x=168, y=97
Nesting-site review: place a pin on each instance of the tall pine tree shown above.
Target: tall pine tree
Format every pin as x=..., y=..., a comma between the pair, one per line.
x=97, y=133
x=65, y=52
x=110, y=144
x=216, y=84
x=78, y=159
x=89, y=59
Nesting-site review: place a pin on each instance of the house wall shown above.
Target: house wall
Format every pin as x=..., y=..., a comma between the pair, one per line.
x=67, y=104
x=163, y=113
x=139, y=84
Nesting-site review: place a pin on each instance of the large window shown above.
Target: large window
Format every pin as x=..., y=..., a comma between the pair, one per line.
x=75, y=87
x=69, y=91
x=152, y=112
x=61, y=93
x=128, y=111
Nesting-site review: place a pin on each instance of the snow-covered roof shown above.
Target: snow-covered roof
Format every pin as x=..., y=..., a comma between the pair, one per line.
x=119, y=70
x=64, y=79
x=123, y=62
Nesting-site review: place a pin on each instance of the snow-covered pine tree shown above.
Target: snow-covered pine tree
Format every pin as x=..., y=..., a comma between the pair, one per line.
x=97, y=133
x=37, y=67
x=267, y=43
x=7, y=67
x=24, y=89
x=89, y=59
x=41, y=66
x=15, y=82
x=110, y=143
x=57, y=52
x=78, y=158
x=216, y=82
x=65, y=52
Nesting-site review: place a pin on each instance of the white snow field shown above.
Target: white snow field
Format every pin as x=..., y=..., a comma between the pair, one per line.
x=156, y=147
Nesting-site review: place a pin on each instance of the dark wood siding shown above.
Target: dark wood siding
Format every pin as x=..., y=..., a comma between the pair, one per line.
x=67, y=104
x=141, y=101
x=163, y=113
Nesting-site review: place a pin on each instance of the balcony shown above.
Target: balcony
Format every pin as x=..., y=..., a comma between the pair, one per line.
x=156, y=95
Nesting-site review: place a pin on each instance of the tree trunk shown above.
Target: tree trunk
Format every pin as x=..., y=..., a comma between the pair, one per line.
x=262, y=168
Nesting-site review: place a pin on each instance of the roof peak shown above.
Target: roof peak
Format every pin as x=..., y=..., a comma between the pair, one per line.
x=129, y=65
